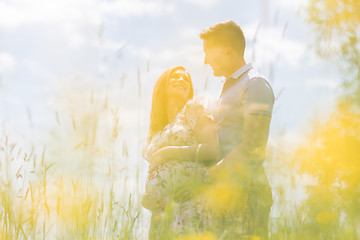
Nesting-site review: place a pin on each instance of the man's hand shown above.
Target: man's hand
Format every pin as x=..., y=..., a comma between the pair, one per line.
x=151, y=203
x=189, y=189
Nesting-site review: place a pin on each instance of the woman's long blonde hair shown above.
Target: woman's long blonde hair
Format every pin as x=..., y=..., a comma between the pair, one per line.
x=158, y=115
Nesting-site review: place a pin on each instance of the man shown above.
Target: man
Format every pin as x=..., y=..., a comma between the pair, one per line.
x=243, y=119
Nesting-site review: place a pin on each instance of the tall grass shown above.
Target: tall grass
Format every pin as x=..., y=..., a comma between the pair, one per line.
x=77, y=187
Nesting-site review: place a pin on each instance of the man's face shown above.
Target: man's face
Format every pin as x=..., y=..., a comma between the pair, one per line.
x=216, y=57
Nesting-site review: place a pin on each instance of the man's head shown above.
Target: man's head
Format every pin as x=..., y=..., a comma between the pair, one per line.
x=224, y=45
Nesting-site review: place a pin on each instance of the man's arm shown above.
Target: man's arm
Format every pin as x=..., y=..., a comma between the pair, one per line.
x=243, y=161
x=246, y=158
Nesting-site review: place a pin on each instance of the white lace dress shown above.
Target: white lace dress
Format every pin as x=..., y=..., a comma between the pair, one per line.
x=185, y=217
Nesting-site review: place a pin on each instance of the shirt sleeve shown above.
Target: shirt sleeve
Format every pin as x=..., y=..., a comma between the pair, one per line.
x=259, y=97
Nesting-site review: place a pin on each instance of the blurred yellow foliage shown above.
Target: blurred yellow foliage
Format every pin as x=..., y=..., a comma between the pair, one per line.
x=335, y=12
x=199, y=236
x=326, y=217
x=332, y=153
x=332, y=157
x=224, y=196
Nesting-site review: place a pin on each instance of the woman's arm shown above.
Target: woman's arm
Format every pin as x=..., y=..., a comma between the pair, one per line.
x=205, y=134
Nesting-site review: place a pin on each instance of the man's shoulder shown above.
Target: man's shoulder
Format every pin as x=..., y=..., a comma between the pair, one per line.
x=251, y=81
x=255, y=79
x=254, y=75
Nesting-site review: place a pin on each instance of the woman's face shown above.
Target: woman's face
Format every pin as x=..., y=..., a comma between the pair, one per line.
x=179, y=85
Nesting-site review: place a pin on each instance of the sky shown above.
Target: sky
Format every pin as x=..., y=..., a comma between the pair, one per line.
x=54, y=53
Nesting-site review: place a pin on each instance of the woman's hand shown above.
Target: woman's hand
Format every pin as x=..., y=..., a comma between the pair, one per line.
x=159, y=157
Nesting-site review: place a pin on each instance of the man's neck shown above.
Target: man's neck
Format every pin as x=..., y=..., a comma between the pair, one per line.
x=239, y=64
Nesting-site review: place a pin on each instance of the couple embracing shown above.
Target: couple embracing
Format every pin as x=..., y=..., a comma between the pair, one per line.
x=205, y=170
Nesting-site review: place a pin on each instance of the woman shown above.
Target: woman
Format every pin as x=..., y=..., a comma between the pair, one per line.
x=182, y=142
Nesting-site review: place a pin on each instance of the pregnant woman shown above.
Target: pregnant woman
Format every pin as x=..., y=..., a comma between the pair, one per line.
x=182, y=142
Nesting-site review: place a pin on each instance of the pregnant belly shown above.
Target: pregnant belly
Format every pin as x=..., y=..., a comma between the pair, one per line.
x=162, y=181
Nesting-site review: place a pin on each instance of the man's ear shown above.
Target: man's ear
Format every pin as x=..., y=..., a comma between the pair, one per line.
x=229, y=51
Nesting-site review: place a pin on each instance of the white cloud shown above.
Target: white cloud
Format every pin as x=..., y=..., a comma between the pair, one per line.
x=188, y=55
x=114, y=45
x=322, y=82
x=189, y=32
x=203, y=3
x=7, y=62
x=291, y=5
x=271, y=46
x=127, y=8
x=72, y=35
x=19, y=12
x=140, y=52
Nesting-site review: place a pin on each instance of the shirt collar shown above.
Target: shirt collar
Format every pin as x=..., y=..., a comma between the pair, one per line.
x=241, y=71
x=229, y=82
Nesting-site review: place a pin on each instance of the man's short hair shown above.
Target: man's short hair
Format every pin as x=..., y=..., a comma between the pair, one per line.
x=226, y=33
